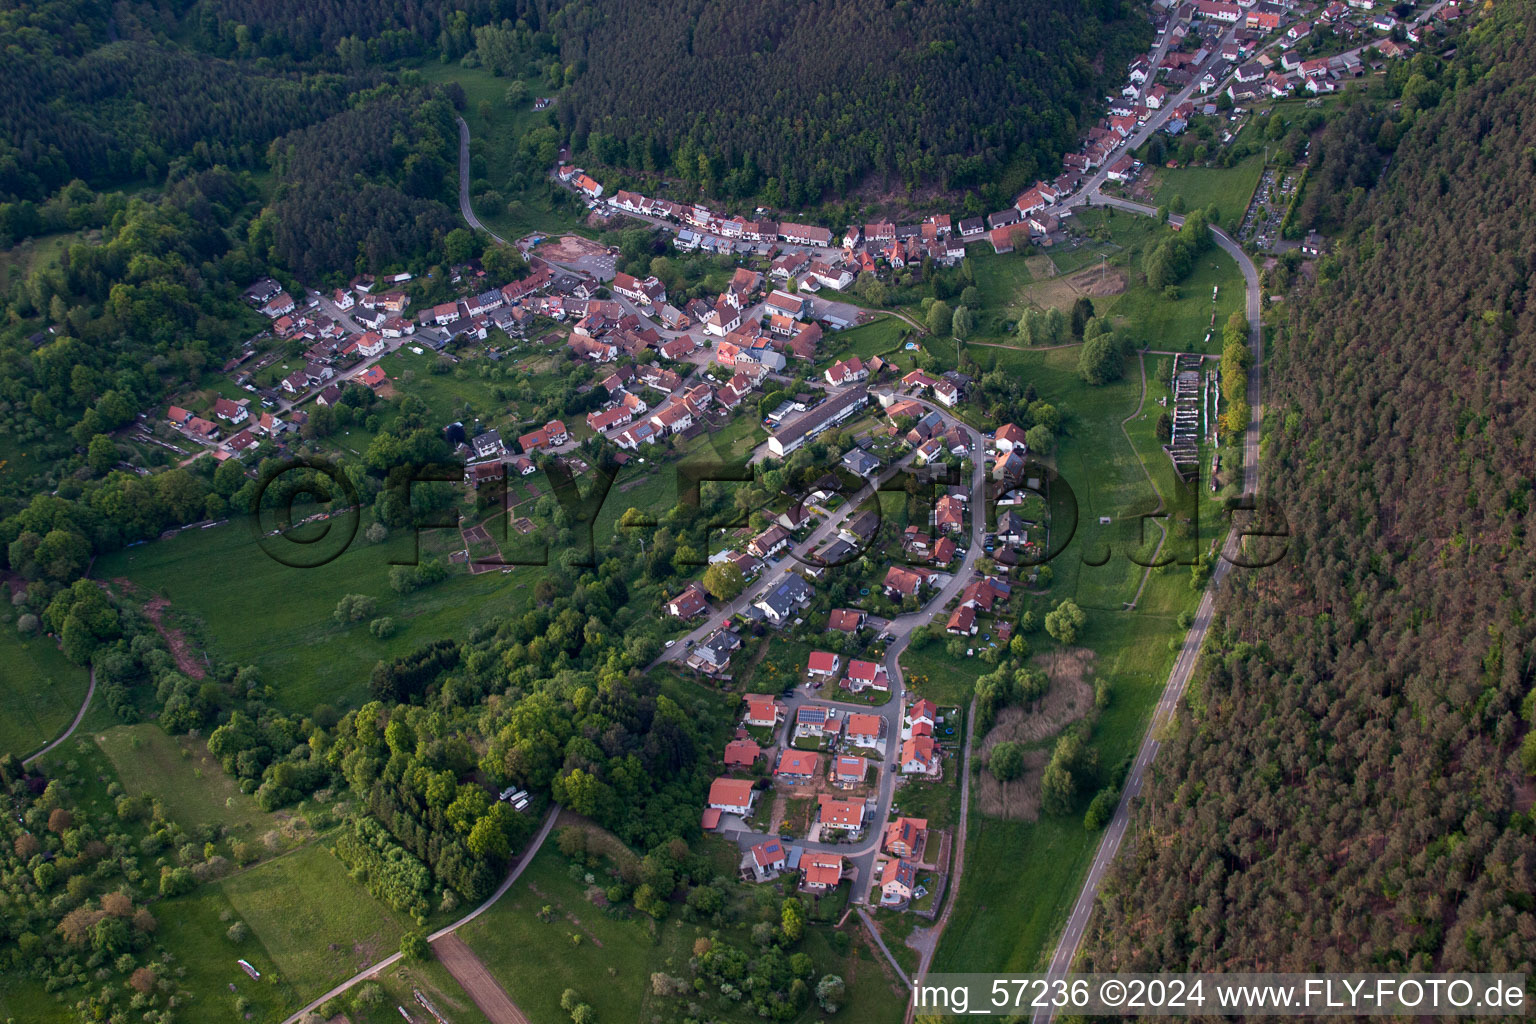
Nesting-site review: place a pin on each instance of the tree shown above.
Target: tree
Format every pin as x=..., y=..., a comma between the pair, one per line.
x=1100, y=360
x=353, y=608
x=415, y=947
x=962, y=323
x=1082, y=312
x=940, y=318
x=101, y=455
x=1006, y=763
x=1040, y=439
x=1065, y=622
x=724, y=581
x=792, y=921
x=829, y=992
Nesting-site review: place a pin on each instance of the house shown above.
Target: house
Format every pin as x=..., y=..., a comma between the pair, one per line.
x=946, y=393
x=863, y=675
x=905, y=838
x=821, y=871
x=962, y=622
x=847, y=815
x=782, y=601
x=602, y=422
x=732, y=796
x=234, y=412
x=812, y=720
x=373, y=377
x=797, y=767
x=846, y=372
x=177, y=415
x=949, y=514
x=763, y=711
x=768, y=858
x=488, y=444
x=1314, y=244
x=198, y=427
x=770, y=542
x=849, y=769
x=278, y=305
x=864, y=730
x=920, y=756
x=1009, y=436
x=920, y=712
x=824, y=664
x=587, y=185
x=847, y=620
x=713, y=656
x=690, y=603
x=329, y=395
x=904, y=581
x=983, y=593
x=897, y=880
x=742, y=753
x=835, y=410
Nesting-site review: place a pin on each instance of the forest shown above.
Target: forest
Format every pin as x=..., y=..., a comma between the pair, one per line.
x=1350, y=784
x=793, y=104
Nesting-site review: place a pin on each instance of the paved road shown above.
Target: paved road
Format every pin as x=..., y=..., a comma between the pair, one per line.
x=465, y=210
x=90, y=692
x=862, y=855
x=517, y=869
x=1183, y=666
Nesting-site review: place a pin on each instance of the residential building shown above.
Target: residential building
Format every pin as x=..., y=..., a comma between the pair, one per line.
x=797, y=767
x=732, y=796
x=821, y=871
x=742, y=753
x=864, y=730
x=823, y=664
x=897, y=880
x=864, y=675
x=845, y=815
x=690, y=603
x=763, y=711
x=905, y=838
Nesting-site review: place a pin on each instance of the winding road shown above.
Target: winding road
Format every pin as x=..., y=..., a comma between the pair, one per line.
x=85, y=705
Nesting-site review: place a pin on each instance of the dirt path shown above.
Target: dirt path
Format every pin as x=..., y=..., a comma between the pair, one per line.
x=175, y=639
x=470, y=973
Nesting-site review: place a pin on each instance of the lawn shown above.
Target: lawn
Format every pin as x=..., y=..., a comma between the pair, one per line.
x=40, y=691
x=316, y=925
x=195, y=929
x=930, y=672
x=301, y=651
x=881, y=337
x=182, y=775
x=1228, y=188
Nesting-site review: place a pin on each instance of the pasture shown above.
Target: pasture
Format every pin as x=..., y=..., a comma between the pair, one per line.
x=40, y=691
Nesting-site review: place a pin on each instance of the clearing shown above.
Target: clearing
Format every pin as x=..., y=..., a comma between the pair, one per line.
x=470, y=973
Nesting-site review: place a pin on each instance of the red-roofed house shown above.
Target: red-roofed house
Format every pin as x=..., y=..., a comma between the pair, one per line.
x=864, y=730
x=763, y=710
x=863, y=675
x=847, y=815
x=822, y=871
x=920, y=756
x=847, y=620
x=1009, y=436
x=234, y=412
x=742, y=753
x=849, y=769
x=732, y=796
x=962, y=622
x=824, y=664
x=897, y=880
x=689, y=603
x=904, y=837
x=797, y=766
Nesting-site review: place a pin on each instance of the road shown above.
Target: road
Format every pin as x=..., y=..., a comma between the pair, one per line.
x=465, y=210
x=90, y=691
x=512, y=876
x=1183, y=667
x=862, y=856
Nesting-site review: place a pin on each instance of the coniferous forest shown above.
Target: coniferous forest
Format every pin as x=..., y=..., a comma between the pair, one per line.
x=796, y=102
x=1349, y=788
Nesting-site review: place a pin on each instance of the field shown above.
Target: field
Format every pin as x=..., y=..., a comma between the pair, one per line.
x=316, y=925
x=400, y=983
x=1108, y=271
x=40, y=691
x=181, y=774
x=609, y=960
x=1228, y=188
x=301, y=651
x=877, y=338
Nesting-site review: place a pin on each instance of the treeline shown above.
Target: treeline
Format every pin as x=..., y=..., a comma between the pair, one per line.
x=1345, y=787
x=789, y=104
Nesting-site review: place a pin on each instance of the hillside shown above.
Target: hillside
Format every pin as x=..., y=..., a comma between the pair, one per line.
x=794, y=102
x=1346, y=788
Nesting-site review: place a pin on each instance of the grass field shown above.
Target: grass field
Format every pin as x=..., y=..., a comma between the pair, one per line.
x=1228, y=188
x=1021, y=878
x=610, y=961
x=40, y=691
x=301, y=651
x=399, y=984
x=316, y=924
x=195, y=930
x=877, y=338
x=181, y=774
